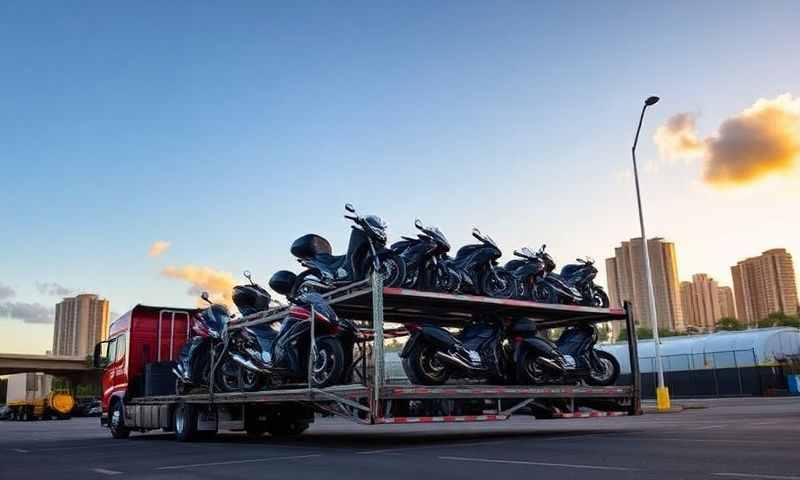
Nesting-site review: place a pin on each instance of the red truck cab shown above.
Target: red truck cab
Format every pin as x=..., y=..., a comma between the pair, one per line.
x=145, y=334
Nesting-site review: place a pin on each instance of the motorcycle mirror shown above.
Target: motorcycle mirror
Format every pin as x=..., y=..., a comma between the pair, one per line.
x=349, y=207
x=248, y=276
x=418, y=224
x=205, y=297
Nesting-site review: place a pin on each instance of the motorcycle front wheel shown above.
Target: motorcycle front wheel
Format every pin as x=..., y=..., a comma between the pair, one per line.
x=328, y=367
x=498, y=284
x=423, y=368
x=608, y=372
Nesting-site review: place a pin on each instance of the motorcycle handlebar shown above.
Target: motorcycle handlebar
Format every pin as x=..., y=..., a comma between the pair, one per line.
x=351, y=217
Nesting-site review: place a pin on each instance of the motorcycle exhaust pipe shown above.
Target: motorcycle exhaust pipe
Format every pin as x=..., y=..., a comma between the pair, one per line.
x=248, y=364
x=552, y=365
x=455, y=361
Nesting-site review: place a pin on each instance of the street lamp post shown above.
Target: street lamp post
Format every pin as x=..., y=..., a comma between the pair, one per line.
x=662, y=392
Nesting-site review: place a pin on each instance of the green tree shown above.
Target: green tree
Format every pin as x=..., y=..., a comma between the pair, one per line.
x=729, y=324
x=779, y=319
x=644, y=333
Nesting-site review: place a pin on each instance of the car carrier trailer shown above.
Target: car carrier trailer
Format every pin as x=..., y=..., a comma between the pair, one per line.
x=371, y=400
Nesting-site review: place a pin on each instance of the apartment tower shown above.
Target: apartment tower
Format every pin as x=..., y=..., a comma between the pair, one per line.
x=81, y=322
x=627, y=282
x=763, y=285
x=704, y=302
x=726, y=302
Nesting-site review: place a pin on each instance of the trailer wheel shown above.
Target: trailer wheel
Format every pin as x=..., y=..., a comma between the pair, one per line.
x=116, y=421
x=185, y=421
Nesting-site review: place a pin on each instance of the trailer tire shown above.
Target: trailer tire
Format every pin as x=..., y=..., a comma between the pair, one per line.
x=185, y=422
x=116, y=421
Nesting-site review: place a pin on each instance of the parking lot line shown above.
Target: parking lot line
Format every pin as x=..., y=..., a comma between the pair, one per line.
x=756, y=475
x=540, y=464
x=106, y=471
x=234, y=462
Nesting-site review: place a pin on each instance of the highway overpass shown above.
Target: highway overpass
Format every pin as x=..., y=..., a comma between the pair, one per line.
x=75, y=369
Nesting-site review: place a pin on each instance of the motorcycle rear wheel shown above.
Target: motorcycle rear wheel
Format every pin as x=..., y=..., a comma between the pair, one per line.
x=528, y=372
x=422, y=368
x=544, y=293
x=599, y=299
x=498, y=284
x=393, y=270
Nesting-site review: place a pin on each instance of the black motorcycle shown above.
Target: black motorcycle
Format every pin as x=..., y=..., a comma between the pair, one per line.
x=574, y=285
x=194, y=365
x=432, y=355
x=526, y=270
x=569, y=360
x=421, y=255
x=366, y=252
x=281, y=356
x=474, y=270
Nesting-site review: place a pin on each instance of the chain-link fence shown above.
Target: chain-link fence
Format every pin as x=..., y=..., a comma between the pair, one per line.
x=712, y=374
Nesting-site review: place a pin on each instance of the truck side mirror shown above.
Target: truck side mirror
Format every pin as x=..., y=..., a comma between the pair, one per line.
x=98, y=361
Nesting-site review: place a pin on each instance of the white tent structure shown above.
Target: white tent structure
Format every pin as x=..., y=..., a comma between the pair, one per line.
x=748, y=348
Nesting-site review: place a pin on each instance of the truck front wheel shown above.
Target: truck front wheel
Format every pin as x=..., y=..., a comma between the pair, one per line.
x=116, y=421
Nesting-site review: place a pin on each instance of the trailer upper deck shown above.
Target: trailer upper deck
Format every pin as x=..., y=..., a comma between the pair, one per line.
x=402, y=305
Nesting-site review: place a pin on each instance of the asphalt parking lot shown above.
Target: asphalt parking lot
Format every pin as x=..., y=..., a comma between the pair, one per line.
x=755, y=438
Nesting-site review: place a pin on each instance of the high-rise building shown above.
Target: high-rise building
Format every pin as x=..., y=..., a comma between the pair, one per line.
x=627, y=281
x=726, y=303
x=81, y=322
x=702, y=300
x=764, y=285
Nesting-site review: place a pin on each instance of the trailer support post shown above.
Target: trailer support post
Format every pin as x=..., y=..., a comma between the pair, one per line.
x=633, y=353
x=377, y=344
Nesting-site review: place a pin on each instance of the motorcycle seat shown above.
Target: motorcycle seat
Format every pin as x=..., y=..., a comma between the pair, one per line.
x=331, y=261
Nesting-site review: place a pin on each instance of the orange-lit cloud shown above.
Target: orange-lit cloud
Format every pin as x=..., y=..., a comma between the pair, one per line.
x=761, y=141
x=678, y=137
x=219, y=285
x=159, y=247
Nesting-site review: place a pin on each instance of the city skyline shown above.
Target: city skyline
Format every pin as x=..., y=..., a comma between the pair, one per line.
x=148, y=157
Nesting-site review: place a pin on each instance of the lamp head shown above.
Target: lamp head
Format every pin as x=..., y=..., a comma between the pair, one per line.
x=651, y=101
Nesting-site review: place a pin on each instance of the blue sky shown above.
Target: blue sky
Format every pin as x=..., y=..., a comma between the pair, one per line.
x=231, y=129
